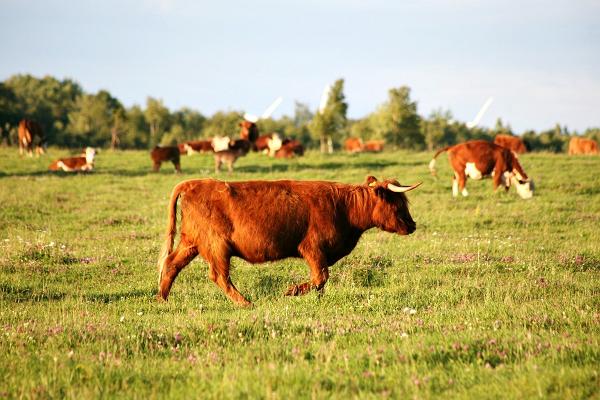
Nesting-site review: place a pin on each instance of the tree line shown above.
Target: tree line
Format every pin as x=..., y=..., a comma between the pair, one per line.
x=73, y=118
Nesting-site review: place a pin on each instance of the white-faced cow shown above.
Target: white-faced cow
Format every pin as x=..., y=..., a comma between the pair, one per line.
x=477, y=159
x=84, y=162
x=262, y=221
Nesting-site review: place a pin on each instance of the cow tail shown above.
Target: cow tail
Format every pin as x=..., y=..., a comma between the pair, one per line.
x=432, y=162
x=167, y=247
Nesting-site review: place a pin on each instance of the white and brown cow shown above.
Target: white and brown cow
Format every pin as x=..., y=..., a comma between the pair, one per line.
x=84, y=162
x=477, y=159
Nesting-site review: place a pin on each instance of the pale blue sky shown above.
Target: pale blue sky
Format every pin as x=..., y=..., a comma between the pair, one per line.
x=539, y=59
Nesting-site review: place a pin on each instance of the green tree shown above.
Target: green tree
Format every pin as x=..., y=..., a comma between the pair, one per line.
x=439, y=129
x=397, y=120
x=136, y=133
x=157, y=118
x=330, y=123
x=223, y=124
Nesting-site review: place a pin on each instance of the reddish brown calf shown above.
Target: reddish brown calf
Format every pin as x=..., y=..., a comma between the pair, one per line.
x=511, y=142
x=262, y=221
x=164, y=154
x=31, y=134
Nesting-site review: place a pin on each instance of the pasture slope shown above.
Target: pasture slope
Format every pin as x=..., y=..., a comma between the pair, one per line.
x=492, y=297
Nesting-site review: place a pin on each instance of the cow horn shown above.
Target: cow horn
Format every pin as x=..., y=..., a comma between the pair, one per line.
x=402, y=189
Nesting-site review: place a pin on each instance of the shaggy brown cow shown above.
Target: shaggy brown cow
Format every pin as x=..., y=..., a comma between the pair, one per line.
x=478, y=158
x=85, y=162
x=195, y=146
x=353, y=145
x=237, y=148
x=290, y=149
x=31, y=134
x=579, y=145
x=262, y=221
x=511, y=142
x=374, y=146
x=163, y=154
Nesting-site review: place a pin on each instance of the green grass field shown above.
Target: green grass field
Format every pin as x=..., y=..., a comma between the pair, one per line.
x=491, y=297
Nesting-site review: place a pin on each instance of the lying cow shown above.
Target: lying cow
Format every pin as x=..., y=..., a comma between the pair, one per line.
x=84, y=162
x=290, y=149
x=31, y=135
x=579, y=145
x=195, y=146
x=237, y=148
x=511, y=142
x=318, y=221
x=163, y=154
x=374, y=146
x=478, y=158
x=353, y=145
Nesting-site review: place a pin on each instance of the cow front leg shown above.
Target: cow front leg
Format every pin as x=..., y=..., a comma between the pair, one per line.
x=173, y=264
x=218, y=272
x=319, y=273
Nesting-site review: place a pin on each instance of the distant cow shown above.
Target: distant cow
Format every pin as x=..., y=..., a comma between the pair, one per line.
x=578, y=145
x=290, y=149
x=84, y=162
x=237, y=148
x=31, y=134
x=262, y=221
x=163, y=154
x=478, y=158
x=374, y=146
x=220, y=143
x=195, y=146
x=248, y=131
x=511, y=142
x=353, y=145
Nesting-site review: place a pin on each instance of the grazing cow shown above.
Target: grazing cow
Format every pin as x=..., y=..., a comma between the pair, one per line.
x=31, y=134
x=290, y=149
x=578, y=145
x=478, y=158
x=262, y=221
x=374, y=146
x=237, y=148
x=84, y=162
x=511, y=142
x=163, y=154
x=248, y=131
x=195, y=146
x=353, y=145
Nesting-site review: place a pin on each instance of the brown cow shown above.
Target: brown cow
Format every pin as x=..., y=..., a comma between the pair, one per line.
x=85, y=162
x=31, y=134
x=162, y=154
x=237, y=148
x=195, y=146
x=511, y=142
x=478, y=158
x=290, y=149
x=262, y=221
x=374, y=146
x=353, y=145
x=578, y=145
x=248, y=131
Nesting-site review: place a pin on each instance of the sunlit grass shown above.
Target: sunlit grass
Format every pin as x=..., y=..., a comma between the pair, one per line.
x=491, y=297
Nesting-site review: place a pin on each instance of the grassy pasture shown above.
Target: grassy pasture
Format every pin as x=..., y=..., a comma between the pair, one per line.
x=491, y=297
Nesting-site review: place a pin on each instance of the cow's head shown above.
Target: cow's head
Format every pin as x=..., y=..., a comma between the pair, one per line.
x=90, y=153
x=391, y=206
x=523, y=185
x=248, y=130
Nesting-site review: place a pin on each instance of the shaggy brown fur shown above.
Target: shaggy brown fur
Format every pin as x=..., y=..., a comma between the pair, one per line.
x=31, y=134
x=511, y=142
x=248, y=131
x=374, y=146
x=353, y=145
x=163, y=154
x=262, y=221
x=579, y=145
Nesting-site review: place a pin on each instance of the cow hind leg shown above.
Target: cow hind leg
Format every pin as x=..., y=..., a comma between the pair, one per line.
x=219, y=273
x=177, y=167
x=174, y=263
x=319, y=273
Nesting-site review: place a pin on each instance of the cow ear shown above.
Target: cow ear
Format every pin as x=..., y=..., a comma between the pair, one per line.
x=371, y=180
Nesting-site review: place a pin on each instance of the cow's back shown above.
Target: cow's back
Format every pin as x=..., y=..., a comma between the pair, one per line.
x=258, y=221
